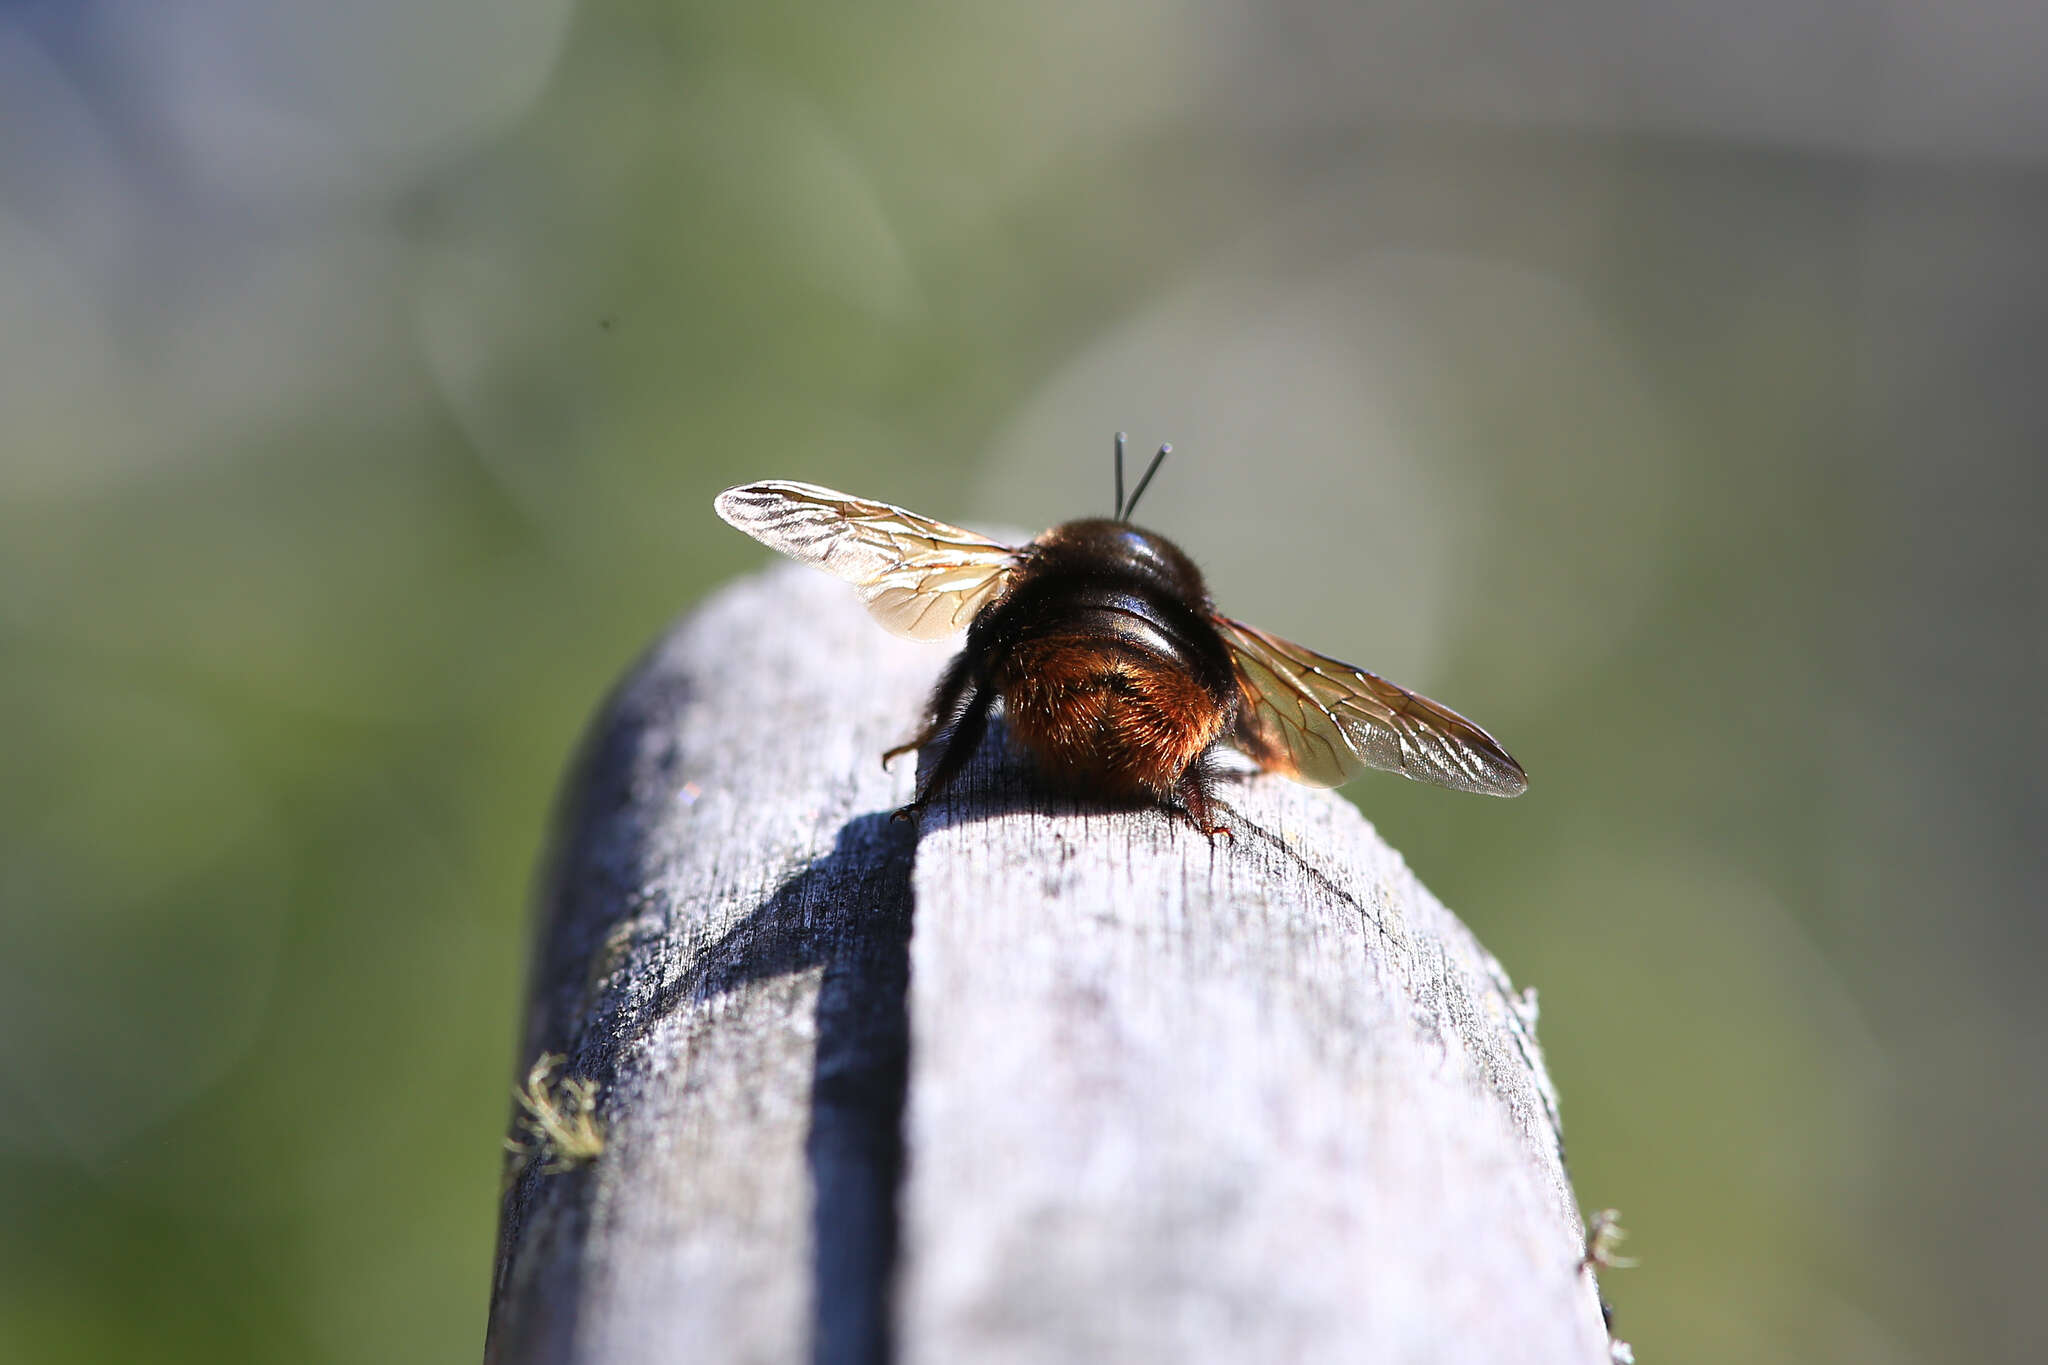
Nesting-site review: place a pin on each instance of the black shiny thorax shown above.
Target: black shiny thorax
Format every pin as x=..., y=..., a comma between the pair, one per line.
x=1117, y=585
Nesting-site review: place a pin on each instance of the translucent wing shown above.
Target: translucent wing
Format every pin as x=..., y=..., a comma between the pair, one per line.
x=922, y=579
x=1323, y=722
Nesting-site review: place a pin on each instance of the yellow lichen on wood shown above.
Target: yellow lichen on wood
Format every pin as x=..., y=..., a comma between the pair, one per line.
x=1604, y=1234
x=561, y=1126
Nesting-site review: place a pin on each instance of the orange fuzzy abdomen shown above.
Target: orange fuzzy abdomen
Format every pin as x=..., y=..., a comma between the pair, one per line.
x=1119, y=720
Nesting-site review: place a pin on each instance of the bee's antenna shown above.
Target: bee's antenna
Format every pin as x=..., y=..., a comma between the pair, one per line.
x=1146, y=482
x=1118, y=513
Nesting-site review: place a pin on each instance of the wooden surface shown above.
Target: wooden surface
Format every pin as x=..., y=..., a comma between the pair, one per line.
x=1035, y=1082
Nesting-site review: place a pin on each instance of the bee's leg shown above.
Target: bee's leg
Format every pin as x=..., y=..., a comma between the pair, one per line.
x=961, y=742
x=946, y=695
x=910, y=746
x=1198, y=803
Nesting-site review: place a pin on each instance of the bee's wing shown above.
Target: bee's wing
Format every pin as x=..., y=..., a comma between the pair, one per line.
x=921, y=579
x=1323, y=722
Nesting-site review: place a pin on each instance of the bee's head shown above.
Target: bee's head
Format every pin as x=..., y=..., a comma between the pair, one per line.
x=1102, y=544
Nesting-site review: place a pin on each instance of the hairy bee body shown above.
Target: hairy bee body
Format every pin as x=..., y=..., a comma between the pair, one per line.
x=1109, y=670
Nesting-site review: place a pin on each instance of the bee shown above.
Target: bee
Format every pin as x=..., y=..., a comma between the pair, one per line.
x=1113, y=667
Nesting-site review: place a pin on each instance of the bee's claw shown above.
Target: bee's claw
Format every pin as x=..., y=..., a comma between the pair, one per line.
x=1204, y=828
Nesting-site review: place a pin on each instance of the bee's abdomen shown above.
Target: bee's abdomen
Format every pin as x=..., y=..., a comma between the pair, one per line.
x=1100, y=707
x=1115, y=679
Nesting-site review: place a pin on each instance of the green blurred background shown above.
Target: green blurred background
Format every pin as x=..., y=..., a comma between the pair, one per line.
x=1664, y=389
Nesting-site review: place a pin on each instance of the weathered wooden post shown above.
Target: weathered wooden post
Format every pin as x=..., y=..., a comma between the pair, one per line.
x=1033, y=1082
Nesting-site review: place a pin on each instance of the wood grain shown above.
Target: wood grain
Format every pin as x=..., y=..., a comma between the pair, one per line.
x=1038, y=1081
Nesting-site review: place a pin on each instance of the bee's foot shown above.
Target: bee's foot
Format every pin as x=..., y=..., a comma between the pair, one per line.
x=910, y=812
x=1204, y=828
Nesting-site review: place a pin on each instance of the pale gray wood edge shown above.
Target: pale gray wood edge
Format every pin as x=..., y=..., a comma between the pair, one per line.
x=1162, y=1101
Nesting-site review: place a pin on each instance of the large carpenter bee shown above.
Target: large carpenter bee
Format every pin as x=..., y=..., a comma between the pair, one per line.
x=1113, y=666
